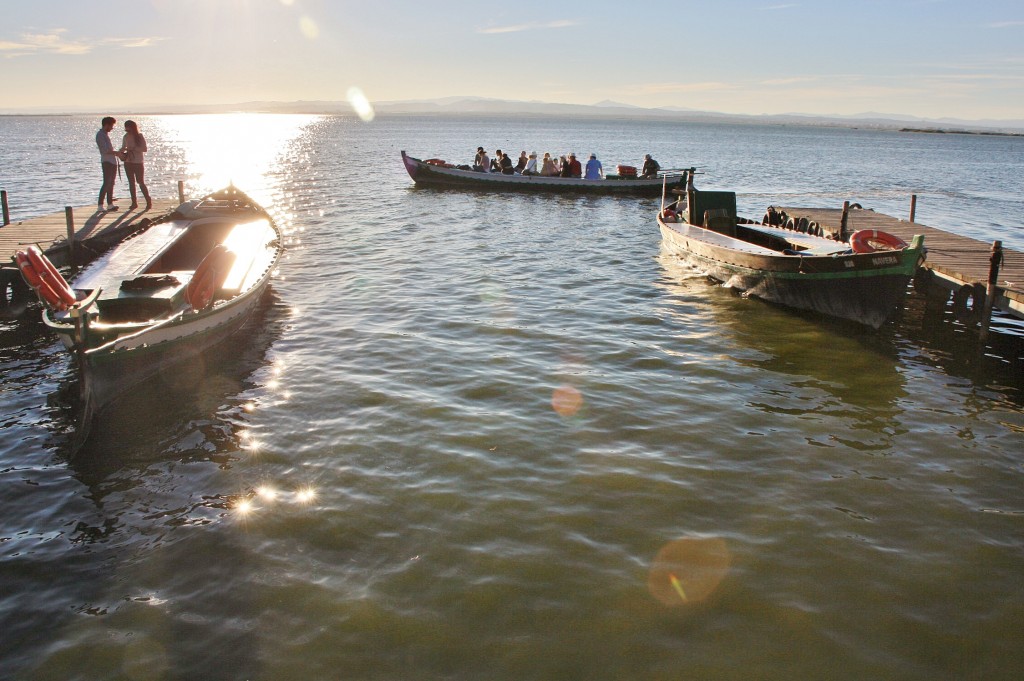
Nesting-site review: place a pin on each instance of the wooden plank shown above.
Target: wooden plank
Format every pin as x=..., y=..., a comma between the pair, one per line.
x=49, y=231
x=960, y=259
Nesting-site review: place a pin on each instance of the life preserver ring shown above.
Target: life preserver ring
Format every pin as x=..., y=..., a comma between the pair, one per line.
x=39, y=273
x=208, y=277
x=668, y=215
x=871, y=240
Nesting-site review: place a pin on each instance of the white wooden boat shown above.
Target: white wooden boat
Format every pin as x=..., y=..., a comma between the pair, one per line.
x=863, y=278
x=160, y=297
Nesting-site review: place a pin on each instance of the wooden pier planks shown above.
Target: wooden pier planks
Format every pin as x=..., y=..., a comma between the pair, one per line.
x=958, y=259
x=49, y=231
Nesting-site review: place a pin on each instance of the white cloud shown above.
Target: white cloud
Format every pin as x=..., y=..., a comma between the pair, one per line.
x=518, y=28
x=55, y=42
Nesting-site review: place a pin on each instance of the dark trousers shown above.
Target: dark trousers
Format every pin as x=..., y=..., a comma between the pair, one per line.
x=107, y=190
x=136, y=172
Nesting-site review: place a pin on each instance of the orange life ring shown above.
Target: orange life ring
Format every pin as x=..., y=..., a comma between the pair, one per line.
x=669, y=215
x=41, y=275
x=871, y=240
x=208, y=277
x=436, y=162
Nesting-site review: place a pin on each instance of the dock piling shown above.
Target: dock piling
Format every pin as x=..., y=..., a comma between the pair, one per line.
x=913, y=206
x=7, y=211
x=181, y=192
x=995, y=261
x=69, y=216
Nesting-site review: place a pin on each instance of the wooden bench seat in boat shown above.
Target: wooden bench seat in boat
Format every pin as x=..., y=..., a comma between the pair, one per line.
x=807, y=244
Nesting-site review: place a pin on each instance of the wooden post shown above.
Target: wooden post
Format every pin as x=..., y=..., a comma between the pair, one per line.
x=69, y=216
x=995, y=260
x=913, y=206
x=842, y=221
x=181, y=191
x=7, y=211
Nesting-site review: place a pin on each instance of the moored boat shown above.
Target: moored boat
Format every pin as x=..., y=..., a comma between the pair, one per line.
x=863, y=278
x=438, y=173
x=186, y=282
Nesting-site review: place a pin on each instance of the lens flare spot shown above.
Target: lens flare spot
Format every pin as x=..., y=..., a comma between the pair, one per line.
x=266, y=492
x=309, y=28
x=688, y=570
x=566, y=400
x=360, y=104
x=306, y=495
x=244, y=507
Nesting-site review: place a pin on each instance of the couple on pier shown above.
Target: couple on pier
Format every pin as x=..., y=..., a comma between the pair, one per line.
x=133, y=146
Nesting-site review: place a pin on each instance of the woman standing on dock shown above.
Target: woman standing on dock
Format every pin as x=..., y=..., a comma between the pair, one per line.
x=133, y=147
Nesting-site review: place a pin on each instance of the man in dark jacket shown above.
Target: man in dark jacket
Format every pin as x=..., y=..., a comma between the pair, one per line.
x=650, y=168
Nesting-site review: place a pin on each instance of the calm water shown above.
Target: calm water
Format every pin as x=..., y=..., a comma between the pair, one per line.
x=465, y=425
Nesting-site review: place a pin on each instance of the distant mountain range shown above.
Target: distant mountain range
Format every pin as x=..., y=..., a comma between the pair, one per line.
x=483, y=106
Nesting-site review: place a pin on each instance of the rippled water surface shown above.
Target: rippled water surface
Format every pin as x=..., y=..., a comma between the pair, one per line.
x=474, y=436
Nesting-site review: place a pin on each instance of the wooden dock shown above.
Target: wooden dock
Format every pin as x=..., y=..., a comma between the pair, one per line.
x=953, y=261
x=68, y=238
x=51, y=232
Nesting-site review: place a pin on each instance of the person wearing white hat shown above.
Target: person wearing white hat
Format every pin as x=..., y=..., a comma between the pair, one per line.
x=594, y=169
x=531, y=164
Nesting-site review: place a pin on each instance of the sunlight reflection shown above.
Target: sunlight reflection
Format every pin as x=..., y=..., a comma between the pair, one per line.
x=266, y=492
x=241, y=148
x=306, y=495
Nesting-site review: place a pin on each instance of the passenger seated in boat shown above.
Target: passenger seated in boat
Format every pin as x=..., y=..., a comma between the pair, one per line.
x=594, y=169
x=572, y=168
x=506, y=165
x=531, y=164
x=547, y=167
x=496, y=161
x=521, y=163
x=478, y=161
x=650, y=168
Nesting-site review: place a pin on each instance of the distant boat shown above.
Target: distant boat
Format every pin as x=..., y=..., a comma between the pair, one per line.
x=159, y=297
x=864, y=280
x=437, y=173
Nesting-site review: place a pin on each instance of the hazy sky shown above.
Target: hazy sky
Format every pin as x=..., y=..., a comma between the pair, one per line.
x=928, y=58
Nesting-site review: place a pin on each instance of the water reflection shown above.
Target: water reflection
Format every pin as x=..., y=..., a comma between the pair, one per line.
x=243, y=149
x=827, y=368
x=183, y=413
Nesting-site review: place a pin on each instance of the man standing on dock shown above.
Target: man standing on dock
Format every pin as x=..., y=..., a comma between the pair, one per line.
x=108, y=158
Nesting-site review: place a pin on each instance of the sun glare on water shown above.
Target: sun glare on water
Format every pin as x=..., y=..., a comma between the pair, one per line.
x=240, y=149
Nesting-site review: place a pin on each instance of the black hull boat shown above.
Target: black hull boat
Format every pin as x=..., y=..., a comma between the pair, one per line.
x=436, y=173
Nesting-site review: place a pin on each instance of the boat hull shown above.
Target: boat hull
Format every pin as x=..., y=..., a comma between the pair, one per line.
x=867, y=288
x=111, y=372
x=427, y=175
